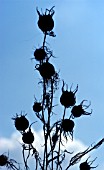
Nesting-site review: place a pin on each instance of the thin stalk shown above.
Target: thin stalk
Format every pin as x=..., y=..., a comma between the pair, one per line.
x=44, y=125
x=64, y=113
x=60, y=140
x=45, y=34
x=75, y=159
x=50, y=112
x=49, y=116
x=45, y=153
x=25, y=161
x=43, y=101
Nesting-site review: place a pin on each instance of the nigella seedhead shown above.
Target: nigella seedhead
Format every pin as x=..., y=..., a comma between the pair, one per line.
x=37, y=107
x=45, y=21
x=87, y=165
x=28, y=137
x=21, y=122
x=40, y=54
x=46, y=70
x=79, y=110
x=43, y=54
x=68, y=98
x=8, y=163
x=67, y=127
x=3, y=160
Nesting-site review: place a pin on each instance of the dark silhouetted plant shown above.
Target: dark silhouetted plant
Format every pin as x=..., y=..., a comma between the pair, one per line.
x=53, y=156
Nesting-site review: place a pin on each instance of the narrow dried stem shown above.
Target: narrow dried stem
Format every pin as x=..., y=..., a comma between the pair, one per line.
x=44, y=40
x=25, y=161
x=50, y=111
x=58, y=160
x=44, y=125
x=75, y=159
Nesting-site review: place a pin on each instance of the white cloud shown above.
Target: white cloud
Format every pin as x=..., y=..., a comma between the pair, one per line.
x=10, y=143
x=13, y=145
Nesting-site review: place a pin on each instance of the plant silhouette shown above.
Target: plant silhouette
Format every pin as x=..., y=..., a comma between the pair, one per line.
x=53, y=156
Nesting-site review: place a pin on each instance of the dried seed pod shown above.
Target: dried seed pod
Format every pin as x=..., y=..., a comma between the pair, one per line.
x=37, y=107
x=3, y=160
x=46, y=70
x=46, y=22
x=67, y=125
x=78, y=110
x=28, y=137
x=67, y=128
x=84, y=166
x=21, y=122
x=8, y=163
x=40, y=54
x=68, y=98
x=87, y=165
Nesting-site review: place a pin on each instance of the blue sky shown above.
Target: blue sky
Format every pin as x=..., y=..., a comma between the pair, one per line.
x=79, y=51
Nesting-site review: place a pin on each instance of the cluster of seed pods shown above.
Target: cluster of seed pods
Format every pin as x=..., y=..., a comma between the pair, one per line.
x=47, y=70
x=49, y=81
x=68, y=100
x=43, y=54
x=22, y=124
